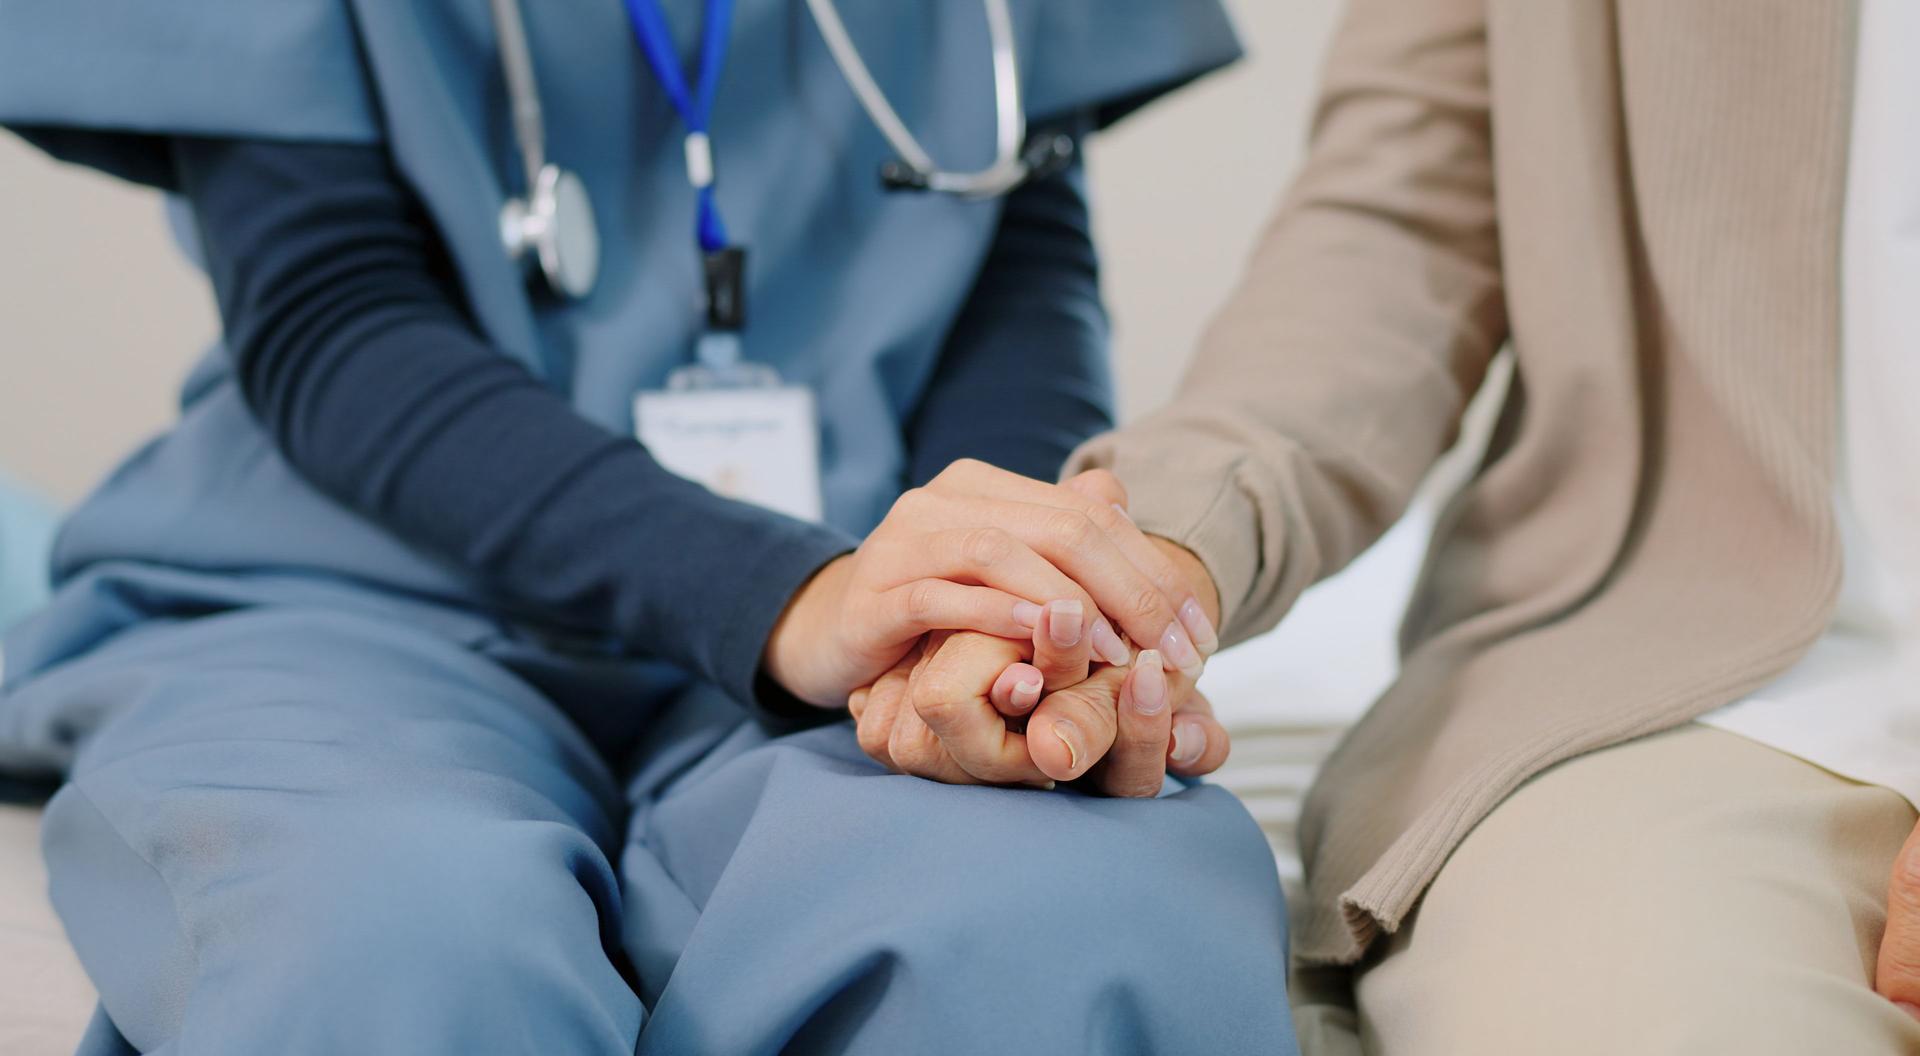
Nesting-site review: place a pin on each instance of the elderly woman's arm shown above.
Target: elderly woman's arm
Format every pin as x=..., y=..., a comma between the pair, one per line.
x=1339, y=370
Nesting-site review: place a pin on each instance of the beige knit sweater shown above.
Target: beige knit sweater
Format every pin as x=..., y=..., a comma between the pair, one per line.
x=1641, y=198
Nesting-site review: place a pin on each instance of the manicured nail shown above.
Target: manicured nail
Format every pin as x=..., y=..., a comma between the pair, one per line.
x=1026, y=614
x=1179, y=650
x=1194, y=619
x=1044, y=786
x=1026, y=694
x=1909, y=1008
x=1108, y=645
x=1149, y=684
x=1066, y=622
x=1069, y=735
x=1189, y=742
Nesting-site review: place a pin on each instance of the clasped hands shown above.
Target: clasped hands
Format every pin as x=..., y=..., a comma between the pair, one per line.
x=1000, y=630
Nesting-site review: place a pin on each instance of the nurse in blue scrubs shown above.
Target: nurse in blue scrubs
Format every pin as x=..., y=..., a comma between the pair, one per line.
x=407, y=703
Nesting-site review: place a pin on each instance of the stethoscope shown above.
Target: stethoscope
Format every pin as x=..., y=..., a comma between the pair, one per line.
x=554, y=222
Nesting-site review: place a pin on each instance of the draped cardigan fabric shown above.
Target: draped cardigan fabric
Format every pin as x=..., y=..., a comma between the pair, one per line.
x=1642, y=200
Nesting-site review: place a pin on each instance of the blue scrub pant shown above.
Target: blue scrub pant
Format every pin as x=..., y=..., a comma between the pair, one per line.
x=299, y=831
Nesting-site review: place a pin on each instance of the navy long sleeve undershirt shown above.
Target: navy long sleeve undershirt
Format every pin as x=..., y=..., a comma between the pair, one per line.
x=1023, y=378
x=351, y=344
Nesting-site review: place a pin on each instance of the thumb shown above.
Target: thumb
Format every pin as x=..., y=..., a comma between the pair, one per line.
x=1898, y=976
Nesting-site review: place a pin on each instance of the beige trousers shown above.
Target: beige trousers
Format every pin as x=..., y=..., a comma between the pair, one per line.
x=1690, y=893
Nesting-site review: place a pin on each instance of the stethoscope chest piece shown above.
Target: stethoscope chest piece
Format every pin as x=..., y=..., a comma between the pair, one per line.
x=554, y=224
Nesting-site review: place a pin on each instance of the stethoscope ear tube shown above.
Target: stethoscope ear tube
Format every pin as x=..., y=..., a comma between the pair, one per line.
x=914, y=169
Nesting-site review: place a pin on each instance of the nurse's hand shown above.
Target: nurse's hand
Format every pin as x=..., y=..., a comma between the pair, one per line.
x=982, y=549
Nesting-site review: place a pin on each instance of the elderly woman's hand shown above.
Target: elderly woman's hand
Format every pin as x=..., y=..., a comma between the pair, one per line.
x=965, y=709
x=1898, y=974
x=982, y=549
x=934, y=714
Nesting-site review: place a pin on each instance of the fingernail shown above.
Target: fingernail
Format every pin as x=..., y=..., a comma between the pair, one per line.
x=1066, y=622
x=1194, y=618
x=1189, y=742
x=1044, y=786
x=1179, y=650
x=1026, y=694
x=1123, y=511
x=1108, y=644
x=1069, y=735
x=1149, y=684
x=1909, y=1008
x=1026, y=614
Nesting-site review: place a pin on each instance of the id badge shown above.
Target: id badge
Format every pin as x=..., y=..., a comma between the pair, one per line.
x=759, y=443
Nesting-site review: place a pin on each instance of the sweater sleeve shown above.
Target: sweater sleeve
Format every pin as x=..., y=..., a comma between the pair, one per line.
x=352, y=348
x=1338, y=372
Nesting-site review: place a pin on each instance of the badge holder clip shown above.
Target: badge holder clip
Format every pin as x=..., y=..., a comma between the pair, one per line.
x=719, y=362
x=729, y=423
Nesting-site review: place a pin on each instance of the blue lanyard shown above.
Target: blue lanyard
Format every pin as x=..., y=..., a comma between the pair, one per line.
x=695, y=106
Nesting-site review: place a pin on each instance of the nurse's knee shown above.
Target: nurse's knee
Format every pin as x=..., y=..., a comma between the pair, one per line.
x=1146, y=925
x=419, y=879
x=1126, y=888
x=440, y=890
x=462, y=929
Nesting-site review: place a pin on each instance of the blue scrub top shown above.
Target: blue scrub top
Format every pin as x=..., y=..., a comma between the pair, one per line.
x=852, y=289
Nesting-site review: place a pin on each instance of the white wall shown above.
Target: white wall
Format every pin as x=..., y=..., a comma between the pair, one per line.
x=1181, y=190
x=99, y=319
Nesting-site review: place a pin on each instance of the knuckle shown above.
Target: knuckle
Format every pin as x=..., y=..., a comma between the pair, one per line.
x=1141, y=604
x=906, y=751
x=922, y=601
x=937, y=695
x=1052, y=661
x=959, y=470
x=1108, y=520
x=910, y=505
x=1096, y=717
x=1072, y=529
x=872, y=736
x=986, y=547
x=1107, y=483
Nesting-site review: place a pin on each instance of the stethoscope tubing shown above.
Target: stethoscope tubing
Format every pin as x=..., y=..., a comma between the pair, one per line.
x=1010, y=122
x=543, y=222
